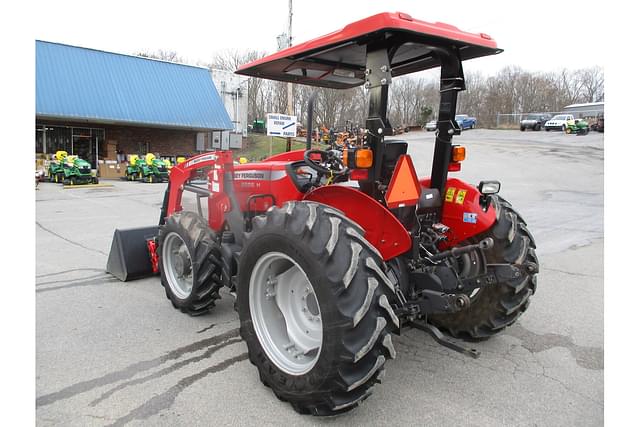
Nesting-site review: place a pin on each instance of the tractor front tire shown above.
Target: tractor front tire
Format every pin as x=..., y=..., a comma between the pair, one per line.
x=314, y=307
x=494, y=308
x=189, y=261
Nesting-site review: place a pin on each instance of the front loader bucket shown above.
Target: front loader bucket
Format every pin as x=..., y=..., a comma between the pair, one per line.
x=129, y=257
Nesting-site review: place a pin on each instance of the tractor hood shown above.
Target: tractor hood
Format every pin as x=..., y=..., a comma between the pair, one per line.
x=337, y=60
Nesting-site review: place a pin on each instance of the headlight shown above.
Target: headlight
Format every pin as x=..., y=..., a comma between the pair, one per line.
x=489, y=187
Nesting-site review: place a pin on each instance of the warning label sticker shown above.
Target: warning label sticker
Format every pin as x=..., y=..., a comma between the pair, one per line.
x=460, y=196
x=449, y=196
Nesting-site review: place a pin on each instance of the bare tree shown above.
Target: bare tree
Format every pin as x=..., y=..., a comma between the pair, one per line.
x=592, y=83
x=164, y=55
x=510, y=90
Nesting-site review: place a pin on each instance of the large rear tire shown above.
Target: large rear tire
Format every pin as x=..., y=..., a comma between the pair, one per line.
x=494, y=308
x=313, y=300
x=189, y=261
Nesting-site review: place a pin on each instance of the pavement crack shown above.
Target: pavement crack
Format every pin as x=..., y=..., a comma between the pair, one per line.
x=69, y=241
x=166, y=399
x=569, y=389
x=206, y=329
x=131, y=370
x=68, y=271
x=101, y=280
x=103, y=275
x=571, y=273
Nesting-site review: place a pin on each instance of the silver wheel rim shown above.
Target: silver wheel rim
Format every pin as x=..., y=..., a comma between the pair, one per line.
x=177, y=265
x=285, y=313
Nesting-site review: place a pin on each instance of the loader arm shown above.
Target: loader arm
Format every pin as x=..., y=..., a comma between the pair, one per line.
x=218, y=193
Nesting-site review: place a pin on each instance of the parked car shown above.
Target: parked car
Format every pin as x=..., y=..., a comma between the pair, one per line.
x=598, y=126
x=534, y=121
x=465, y=122
x=432, y=125
x=558, y=122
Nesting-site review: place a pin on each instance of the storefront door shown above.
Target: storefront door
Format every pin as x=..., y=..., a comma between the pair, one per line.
x=82, y=142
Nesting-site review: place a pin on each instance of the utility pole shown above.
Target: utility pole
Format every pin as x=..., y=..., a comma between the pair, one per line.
x=290, y=85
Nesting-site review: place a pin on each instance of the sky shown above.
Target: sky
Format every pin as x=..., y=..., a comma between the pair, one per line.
x=536, y=36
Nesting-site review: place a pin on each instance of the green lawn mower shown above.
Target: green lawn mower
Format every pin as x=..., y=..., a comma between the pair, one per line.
x=71, y=170
x=56, y=167
x=578, y=127
x=148, y=169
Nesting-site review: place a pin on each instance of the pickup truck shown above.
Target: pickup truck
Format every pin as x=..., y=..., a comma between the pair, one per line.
x=558, y=122
x=534, y=121
x=465, y=122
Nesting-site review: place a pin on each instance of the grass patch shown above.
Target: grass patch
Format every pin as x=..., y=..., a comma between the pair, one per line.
x=258, y=146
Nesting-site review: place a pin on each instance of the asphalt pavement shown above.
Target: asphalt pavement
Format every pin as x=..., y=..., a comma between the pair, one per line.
x=113, y=353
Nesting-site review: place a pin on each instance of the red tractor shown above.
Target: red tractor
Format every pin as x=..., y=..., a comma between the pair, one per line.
x=331, y=252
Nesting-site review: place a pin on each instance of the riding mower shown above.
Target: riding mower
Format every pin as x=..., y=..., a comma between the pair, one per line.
x=577, y=126
x=56, y=167
x=148, y=169
x=331, y=252
x=347, y=138
x=71, y=170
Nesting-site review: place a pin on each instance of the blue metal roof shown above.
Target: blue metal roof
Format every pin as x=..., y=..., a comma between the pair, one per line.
x=86, y=84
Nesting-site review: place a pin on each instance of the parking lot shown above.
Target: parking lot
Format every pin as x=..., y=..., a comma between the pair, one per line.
x=113, y=353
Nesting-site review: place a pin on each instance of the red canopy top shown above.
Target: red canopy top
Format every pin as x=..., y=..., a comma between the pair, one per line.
x=338, y=59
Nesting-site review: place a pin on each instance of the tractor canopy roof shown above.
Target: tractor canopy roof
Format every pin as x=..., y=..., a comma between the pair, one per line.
x=337, y=60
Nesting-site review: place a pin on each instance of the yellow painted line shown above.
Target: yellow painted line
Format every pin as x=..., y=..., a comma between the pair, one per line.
x=80, y=186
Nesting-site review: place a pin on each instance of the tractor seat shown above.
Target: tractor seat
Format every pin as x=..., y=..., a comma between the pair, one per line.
x=393, y=149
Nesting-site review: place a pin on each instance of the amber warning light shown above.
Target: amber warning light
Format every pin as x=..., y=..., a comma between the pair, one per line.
x=458, y=154
x=360, y=158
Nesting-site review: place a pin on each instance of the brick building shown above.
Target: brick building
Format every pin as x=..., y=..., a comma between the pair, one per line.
x=96, y=104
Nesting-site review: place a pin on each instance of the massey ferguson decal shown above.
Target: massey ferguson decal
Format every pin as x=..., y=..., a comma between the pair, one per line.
x=258, y=175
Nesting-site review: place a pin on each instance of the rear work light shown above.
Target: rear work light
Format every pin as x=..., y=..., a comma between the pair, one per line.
x=358, y=158
x=489, y=187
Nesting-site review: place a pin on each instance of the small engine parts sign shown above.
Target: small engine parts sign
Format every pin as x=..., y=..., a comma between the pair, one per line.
x=281, y=125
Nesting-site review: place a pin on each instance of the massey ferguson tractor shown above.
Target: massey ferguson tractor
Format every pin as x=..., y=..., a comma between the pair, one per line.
x=329, y=253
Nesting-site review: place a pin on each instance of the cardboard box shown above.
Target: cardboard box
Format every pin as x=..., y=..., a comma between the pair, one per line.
x=111, y=171
x=112, y=147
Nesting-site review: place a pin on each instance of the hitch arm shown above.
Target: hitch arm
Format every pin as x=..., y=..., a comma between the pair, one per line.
x=445, y=340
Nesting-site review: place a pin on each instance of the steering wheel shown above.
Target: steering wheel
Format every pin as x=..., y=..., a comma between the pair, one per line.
x=329, y=162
